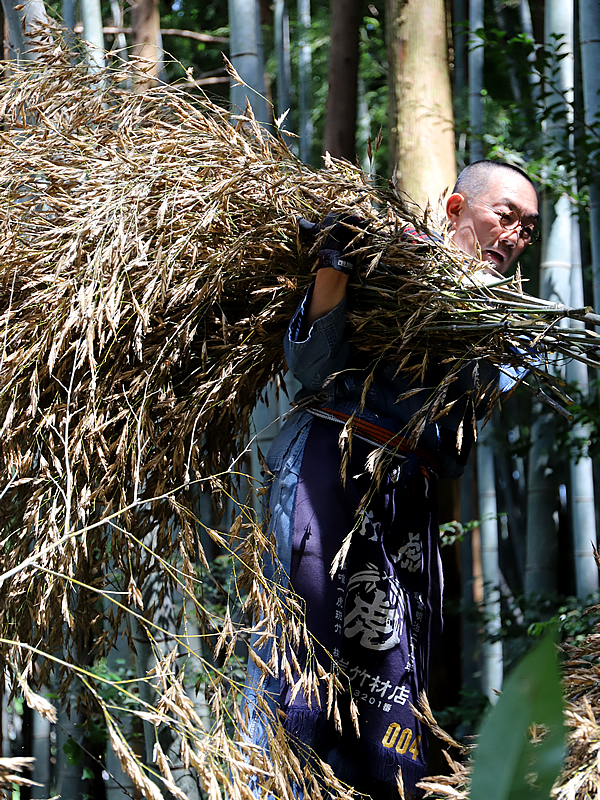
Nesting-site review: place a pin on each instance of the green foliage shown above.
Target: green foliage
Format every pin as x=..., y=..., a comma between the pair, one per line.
x=586, y=411
x=73, y=751
x=219, y=595
x=570, y=443
x=542, y=129
x=451, y=532
x=575, y=620
x=96, y=731
x=526, y=618
x=216, y=590
x=119, y=674
x=464, y=718
x=372, y=71
x=204, y=58
x=512, y=126
x=318, y=38
x=521, y=744
x=17, y=704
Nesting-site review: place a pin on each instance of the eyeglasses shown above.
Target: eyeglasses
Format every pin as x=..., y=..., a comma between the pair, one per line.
x=511, y=221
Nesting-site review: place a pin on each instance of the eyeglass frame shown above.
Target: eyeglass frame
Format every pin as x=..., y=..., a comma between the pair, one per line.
x=518, y=226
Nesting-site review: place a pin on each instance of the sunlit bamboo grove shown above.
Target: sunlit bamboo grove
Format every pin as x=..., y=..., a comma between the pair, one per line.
x=152, y=259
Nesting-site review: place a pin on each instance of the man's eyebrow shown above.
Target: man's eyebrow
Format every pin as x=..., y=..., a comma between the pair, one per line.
x=513, y=207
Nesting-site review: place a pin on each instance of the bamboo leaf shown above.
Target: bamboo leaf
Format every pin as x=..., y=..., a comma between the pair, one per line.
x=522, y=741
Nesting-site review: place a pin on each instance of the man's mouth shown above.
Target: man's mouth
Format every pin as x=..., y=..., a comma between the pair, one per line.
x=495, y=257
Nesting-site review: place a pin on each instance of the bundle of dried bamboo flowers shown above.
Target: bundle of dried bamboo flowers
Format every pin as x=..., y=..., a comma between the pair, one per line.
x=151, y=261
x=11, y=770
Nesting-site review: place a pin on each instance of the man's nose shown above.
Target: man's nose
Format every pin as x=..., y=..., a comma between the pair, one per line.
x=511, y=237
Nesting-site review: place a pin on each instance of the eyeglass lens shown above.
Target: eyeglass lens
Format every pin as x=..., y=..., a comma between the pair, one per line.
x=528, y=233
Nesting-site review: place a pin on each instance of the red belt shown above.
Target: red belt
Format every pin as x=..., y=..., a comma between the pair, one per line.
x=375, y=434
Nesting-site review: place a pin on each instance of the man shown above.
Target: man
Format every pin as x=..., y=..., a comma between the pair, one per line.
x=364, y=559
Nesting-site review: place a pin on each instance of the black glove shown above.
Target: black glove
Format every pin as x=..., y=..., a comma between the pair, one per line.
x=337, y=240
x=308, y=230
x=343, y=232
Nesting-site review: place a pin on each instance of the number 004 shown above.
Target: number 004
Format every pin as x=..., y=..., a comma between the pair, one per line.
x=401, y=739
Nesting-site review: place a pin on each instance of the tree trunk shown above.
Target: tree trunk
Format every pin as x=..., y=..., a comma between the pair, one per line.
x=499, y=11
x=145, y=21
x=91, y=16
x=69, y=775
x=542, y=491
x=492, y=662
x=305, y=81
x=117, y=15
x=22, y=20
x=153, y=641
x=26, y=744
x=420, y=105
x=284, y=70
x=527, y=28
x=555, y=278
x=581, y=486
x=68, y=13
x=339, y=137
x=589, y=26
x=245, y=49
x=41, y=753
x=555, y=284
x=558, y=21
x=470, y=573
x=475, y=81
x=422, y=144
x=363, y=129
x=459, y=46
x=460, y=94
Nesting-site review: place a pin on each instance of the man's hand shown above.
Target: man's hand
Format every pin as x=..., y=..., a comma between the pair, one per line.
x=343, y=230
x=334, y=267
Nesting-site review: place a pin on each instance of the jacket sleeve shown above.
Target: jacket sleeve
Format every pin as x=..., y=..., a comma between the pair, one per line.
x=324, y=351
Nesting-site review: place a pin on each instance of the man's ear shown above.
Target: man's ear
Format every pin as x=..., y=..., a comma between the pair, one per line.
x=455, y=206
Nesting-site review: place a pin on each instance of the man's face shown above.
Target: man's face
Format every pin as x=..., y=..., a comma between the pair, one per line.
x=477, y=220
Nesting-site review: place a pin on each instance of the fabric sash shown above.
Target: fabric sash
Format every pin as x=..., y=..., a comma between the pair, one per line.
x=378, y=617
x=376, y=435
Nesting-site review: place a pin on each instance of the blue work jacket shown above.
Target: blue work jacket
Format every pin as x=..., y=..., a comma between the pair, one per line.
x=332, y=375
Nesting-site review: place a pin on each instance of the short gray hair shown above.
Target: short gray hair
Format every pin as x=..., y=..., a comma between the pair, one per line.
x=474, y=178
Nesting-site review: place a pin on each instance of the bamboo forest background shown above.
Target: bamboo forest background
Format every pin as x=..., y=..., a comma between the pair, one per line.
x=520, y=527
